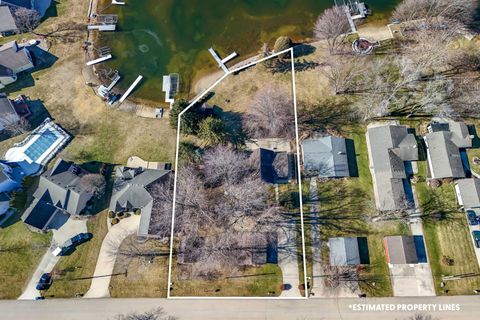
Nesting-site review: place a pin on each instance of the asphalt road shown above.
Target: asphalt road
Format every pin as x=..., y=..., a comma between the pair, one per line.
x=312, y=309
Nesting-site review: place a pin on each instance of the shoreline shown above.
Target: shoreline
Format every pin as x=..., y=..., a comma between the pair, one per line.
x=204, y=79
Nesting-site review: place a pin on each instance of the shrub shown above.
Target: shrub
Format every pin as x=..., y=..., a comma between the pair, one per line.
x=282, y=43
x=120, y=215
x=115, y=221
x=448, y=261
x=111, y=214
x=138, y=211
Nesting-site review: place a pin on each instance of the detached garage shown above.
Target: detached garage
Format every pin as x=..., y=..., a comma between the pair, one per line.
x=405, y=249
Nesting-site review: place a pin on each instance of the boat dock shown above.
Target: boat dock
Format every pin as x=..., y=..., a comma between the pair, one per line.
x=170, y=87
x=222, y=62
x=103, y=22
x=130, y=89
x=105, y=58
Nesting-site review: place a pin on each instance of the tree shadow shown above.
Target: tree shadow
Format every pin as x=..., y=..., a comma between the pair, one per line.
x=324, y=116
x=233, y=125
x=301, y=50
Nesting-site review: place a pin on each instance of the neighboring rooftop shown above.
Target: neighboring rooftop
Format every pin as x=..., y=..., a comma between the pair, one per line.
x=276, y=167
x=325, y=157
x=443, y=142
x=389, y=146
x=7, y=23
x=348, y=251
x=468, y=192
x=14, y=57
x=405, y=249
x=59, y=189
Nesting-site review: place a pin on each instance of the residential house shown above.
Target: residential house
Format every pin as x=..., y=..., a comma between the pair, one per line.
x=276, y=167
x=7, y=76
x=405, y=249
x=7, y=23
x=7, y=179
x=468, y=193
x=390, y=148
x=40, y=6
x=60, y=192
x=8, y=114
x=130, y=194
x=348, y=251
x=326, y=157
x=15, y=57
x=445, y=141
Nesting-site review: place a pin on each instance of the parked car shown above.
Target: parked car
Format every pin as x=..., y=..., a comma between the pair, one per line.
x=71, y=243
x=472, y=218
x=476, y=238
x=45, y=282
x=81, y=238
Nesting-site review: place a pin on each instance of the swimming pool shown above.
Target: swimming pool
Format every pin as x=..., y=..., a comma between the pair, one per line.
x=43, y=143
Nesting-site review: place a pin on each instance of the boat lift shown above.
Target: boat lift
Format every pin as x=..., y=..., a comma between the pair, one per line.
x=222, y=62
x=354, y=10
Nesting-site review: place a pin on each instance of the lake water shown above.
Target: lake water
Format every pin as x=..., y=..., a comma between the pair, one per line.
x=158, y=37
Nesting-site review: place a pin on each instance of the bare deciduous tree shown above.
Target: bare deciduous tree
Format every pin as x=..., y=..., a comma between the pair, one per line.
x=271, y=114
x=460, y=10
x=154, y=314
x=332, y=25
x=222, y=165
x=26, y=19
x=342, y=73
x=94, y=183
x=64, y=32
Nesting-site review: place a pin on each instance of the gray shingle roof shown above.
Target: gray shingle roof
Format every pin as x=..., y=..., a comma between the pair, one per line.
x=348, y=251
x=59, y=188
x=401, y=250
x=443, y=156
x=469, y=192
x=13, y=57
x=130, y=193
x=7, y=24
x=6, y=107
x=389, y=146
x=276, y=167
x=326, y=156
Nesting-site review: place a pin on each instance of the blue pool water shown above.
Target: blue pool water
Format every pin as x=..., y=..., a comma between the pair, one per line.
x=39, y=146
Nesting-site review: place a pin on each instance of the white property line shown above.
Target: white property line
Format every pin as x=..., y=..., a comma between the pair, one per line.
x=172, y=231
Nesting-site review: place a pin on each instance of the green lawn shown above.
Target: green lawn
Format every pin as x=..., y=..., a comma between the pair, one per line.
x=447, y=234
x=74, y=272
x=254, y=282
x=20, y=248
x=345, y=205
x=20, y=253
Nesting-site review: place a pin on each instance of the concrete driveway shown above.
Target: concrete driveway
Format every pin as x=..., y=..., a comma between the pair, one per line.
x=66, y=231
x=288, y=260
x=412, y=280
x=108, y=254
